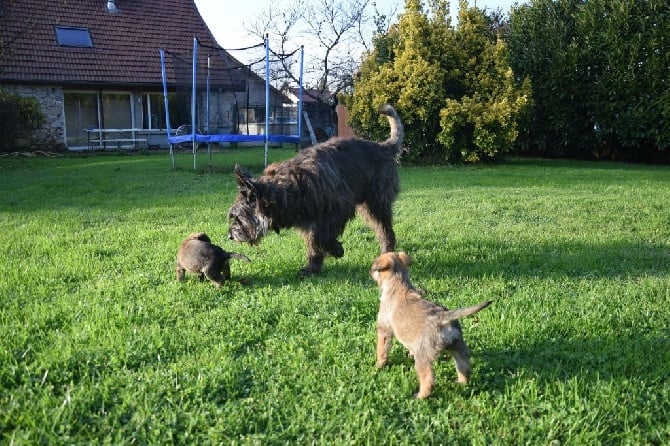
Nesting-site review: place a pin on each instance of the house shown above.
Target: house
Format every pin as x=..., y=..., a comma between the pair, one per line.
x=318, y=105
x=95, y=67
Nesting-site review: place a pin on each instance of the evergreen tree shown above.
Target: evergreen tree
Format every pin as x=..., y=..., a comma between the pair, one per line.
x=599, y=72
x=402, y=70
x=483, y=123
x=543, y=47
x=624, y=55
x=452, y=87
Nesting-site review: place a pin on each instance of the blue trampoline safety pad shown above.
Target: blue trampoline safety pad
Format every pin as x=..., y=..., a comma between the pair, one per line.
x=233, y=138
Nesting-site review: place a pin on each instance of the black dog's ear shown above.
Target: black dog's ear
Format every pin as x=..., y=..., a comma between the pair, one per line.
x=244, y=179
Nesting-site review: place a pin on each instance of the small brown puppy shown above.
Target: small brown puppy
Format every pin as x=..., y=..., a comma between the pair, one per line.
x=424, y=328
x=199, y=256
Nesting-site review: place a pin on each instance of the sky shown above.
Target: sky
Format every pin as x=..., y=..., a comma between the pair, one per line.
x=227, y=18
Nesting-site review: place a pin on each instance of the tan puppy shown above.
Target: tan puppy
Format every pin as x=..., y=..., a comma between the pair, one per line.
x=424, y=328
x=198, y=255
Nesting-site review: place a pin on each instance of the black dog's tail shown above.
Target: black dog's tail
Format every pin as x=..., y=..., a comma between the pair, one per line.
x=397, y=132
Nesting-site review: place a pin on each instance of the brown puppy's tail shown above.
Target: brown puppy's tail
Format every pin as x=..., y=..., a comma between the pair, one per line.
x=397, y=135
x=234, y=255
x=460, y=313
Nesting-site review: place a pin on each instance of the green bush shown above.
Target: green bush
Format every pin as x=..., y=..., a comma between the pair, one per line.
x=483, y=124
x=19, y=117
x=452, y=86
x=599, y=73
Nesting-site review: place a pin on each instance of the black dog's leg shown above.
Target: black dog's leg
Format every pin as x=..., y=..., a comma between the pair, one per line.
x=315, y=254
x=327, y=238
x=379, y=216
x=330, y=232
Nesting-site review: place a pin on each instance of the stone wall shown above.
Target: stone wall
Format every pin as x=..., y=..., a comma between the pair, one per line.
x=51, y=136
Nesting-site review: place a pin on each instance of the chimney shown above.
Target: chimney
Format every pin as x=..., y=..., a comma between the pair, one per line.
x=111, y=7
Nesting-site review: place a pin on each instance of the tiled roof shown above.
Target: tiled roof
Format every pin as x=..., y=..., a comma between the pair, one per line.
x=125, y=48
x=311, y=95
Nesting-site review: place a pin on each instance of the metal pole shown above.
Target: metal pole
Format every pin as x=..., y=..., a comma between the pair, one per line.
x=267, y=95
x=209, y=149
x=165, y=103
x=302, y=58
x=193, y=99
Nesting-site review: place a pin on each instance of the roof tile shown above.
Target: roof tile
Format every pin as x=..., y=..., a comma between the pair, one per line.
x=125, y=45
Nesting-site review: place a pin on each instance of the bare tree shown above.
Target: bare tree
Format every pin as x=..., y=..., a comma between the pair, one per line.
x=334, y=32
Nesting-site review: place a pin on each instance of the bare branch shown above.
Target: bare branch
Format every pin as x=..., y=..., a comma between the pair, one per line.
x=335, y=34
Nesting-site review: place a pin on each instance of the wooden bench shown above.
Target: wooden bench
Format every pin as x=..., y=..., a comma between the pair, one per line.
x=101, y=138
x=132, y=142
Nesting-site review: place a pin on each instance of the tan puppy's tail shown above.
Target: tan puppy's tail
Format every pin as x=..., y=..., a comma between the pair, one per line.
x=465, y=312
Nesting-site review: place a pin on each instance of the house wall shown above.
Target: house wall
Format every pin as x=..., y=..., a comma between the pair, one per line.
x=222, y=112
x=224, y=106
x=51, y=136
x=321, y=116
x=256, y=98
x=256, y=93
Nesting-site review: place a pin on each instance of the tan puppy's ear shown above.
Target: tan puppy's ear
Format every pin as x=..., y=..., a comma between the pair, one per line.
x=405, y=258
x=382, y=263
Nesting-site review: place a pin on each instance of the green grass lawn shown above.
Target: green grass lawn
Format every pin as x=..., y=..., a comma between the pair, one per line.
x=100, y=344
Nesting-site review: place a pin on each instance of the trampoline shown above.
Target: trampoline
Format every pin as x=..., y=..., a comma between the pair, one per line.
x=190, y=134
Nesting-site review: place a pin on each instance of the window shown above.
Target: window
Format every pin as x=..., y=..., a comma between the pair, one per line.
x=252, y=115
x=153, y=111
x=76, y=37
x=116, y=110
x=81, y=113
x=92, y=110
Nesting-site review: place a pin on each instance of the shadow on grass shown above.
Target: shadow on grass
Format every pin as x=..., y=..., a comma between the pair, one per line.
x=580, y=165
x=110, y=182
x=638, y=355
x=543, y=260
x=334, y=271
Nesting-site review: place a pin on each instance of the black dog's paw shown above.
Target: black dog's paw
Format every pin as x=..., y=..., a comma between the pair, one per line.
x=308, y=271
x=335, y=249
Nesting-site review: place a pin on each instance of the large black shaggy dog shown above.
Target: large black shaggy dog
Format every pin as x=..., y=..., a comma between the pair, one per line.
x=318, y=192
